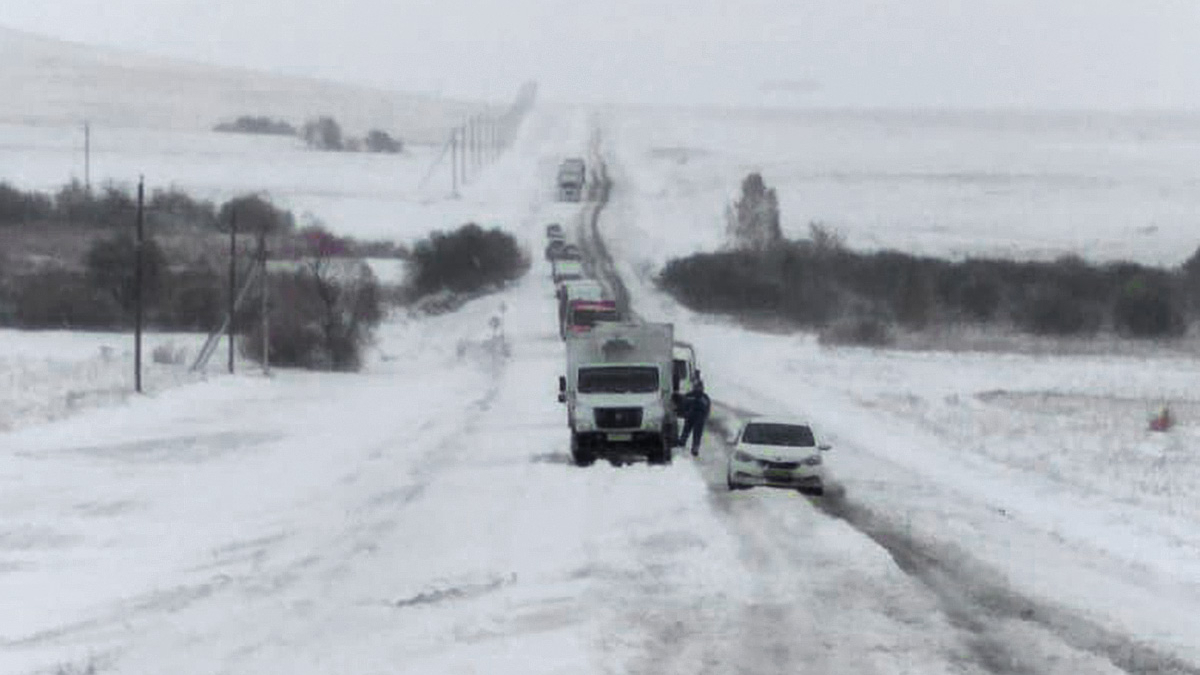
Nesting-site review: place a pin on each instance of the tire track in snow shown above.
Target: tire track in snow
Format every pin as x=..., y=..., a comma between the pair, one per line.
x=1001, y=623
x=967, y=593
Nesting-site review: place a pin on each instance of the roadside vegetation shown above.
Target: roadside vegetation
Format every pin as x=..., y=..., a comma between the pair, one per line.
x=870, y=297
x=67, y=262
x=69, y=257
x=319, y=133
x=449, y=268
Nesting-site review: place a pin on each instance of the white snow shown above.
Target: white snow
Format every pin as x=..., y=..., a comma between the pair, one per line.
x=65, y=84
x=423, y=517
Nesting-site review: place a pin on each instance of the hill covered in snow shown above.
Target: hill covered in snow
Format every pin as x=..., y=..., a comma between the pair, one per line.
x=51, y=82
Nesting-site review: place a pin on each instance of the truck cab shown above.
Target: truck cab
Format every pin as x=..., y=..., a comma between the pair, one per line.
x=583, y=315
x=618, y=390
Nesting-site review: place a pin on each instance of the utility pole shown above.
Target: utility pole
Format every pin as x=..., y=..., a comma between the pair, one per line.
x=266, y=289
x=475, y=143
x=462, y=164
x=454, y=163
x=87, y=156
x=137, y=288
x=232, y=282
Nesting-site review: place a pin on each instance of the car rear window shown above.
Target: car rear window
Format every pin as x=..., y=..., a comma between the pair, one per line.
x=764, y=433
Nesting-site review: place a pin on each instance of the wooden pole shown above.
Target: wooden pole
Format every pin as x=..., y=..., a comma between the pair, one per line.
x=232, y=283
x=454, y=163
x=266, y=289
x=137, y=288
x=87, y=156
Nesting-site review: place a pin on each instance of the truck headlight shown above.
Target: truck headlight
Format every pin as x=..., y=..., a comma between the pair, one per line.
x=743, y=456
x=812, y=460
x=652, y=417
x=585, y=418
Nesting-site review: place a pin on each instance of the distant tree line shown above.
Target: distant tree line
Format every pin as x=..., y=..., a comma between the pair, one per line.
x=327, y=300
x=184, y=267
x=251, y=124
x=319, y=133
x=863, y=297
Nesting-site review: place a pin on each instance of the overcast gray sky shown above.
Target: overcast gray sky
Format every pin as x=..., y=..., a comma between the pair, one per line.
x=976, y=53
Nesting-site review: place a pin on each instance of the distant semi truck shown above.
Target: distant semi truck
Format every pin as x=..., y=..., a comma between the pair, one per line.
x=572, y=176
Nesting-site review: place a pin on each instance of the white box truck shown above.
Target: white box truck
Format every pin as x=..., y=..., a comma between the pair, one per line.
x=618, y=390
x=572, y=174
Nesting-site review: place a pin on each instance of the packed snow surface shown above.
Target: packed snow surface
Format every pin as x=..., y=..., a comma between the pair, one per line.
x=991, y=513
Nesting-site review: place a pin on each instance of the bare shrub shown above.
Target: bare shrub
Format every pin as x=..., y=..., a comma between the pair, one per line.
x=971, y=290
x=467, y=260
x=1148, y=308
x=825, y=239
x=251, y=124
x=1050, y=310
x=18, y=207
x=753, y=220
x=725, y=281
x=168, y=354
x=861, y=331
x=173, y=208
x=323, y=133
x=381, y=141
x=110, y=207
x=62, y=299
x=111, y=269
x=192, y=299
x=255, y=213
x=324, y=311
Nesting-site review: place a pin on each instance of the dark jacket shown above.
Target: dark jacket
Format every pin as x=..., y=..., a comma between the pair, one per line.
x=695, y=405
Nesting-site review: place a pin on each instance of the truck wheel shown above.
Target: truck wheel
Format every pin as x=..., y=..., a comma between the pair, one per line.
x=661, y=453
x=581, y=456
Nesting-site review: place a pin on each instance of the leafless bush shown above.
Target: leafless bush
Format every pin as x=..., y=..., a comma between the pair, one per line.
x=168, y=354
x=753, y=220
x=324, y=311
x=862, y=331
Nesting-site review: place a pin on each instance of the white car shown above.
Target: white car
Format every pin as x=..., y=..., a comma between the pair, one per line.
x=778, y=453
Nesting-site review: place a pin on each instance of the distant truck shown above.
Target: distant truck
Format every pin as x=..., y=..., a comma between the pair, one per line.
x=572, y=175
x=566, y=270
x=577, y=289
x=618, y=390
x=583, y=315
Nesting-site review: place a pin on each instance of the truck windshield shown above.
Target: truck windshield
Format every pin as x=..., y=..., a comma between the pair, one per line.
x=618, y=380
x=762, y=433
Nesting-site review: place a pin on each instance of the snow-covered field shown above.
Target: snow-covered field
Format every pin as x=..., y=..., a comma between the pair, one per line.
x=1101, y=185
x=996, y=513
x=398, y=197
x=63, y=84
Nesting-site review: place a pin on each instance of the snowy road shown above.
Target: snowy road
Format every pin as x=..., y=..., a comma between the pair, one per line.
x=423, y=517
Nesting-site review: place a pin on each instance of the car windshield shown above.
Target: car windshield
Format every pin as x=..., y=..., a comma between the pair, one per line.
x=762, y=433
x=589, y=317
x=618, y=380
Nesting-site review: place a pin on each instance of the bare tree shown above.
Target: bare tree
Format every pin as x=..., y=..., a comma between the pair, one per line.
x=753, y=220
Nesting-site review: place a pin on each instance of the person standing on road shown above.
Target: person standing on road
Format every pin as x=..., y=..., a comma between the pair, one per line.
x=694, y=409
